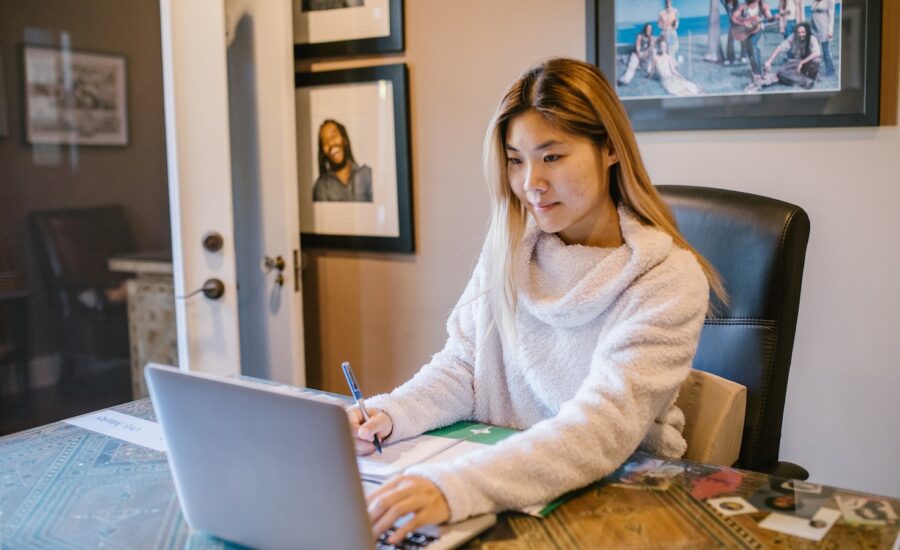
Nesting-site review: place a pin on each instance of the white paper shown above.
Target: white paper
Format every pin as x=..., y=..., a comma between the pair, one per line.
x=802, y=527
x=401, y=455
x=122, y=426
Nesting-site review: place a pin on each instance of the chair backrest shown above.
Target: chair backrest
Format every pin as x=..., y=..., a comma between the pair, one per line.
x=714, y=410
x=73, y=246
x=758, y=245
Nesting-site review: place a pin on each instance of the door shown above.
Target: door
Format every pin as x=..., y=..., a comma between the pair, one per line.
x=231, y=145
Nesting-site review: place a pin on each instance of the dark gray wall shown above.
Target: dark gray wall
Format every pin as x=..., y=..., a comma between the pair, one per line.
x=43, y=177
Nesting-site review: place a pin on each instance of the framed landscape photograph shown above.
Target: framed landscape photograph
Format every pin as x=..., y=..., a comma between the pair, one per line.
x=331, y=28
x=717, y=64
x=73, y=97
x=354, y=159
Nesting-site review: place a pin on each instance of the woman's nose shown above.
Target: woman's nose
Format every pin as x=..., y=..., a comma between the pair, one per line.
x=534, y=180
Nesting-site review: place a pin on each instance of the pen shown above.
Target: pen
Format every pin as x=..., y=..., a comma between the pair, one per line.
x=358, y=397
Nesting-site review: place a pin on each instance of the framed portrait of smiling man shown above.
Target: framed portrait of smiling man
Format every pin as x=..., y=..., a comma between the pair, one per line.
x=354, y=161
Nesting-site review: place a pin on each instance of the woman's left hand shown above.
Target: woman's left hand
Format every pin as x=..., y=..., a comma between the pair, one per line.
x=402, y=495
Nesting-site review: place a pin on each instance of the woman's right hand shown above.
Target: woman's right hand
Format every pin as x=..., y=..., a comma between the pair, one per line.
x=379, y=424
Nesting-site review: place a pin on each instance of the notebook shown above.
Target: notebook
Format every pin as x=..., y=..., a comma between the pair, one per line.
x=267, y=467
x=441, y=445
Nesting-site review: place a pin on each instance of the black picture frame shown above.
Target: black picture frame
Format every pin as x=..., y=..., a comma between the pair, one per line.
x=855, y=103
x=397, y=76
x=393, y=42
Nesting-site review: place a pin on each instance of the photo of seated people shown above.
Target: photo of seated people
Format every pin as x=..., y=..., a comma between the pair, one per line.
x=726, y=47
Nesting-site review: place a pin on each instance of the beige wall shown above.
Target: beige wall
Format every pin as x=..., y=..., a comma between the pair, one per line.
x=387, y=313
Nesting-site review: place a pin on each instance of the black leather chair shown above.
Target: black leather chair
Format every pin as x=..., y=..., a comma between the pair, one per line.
x=73, y=248
x=758, y=245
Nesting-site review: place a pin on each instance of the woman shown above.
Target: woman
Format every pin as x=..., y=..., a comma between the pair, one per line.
x=671, y=79
x=578, y=325
x=823, y=29
x=642, y=55
x=804, y=53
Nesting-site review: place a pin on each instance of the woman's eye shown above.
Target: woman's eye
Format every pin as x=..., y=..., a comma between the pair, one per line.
x=551, y=158
x=513, y=160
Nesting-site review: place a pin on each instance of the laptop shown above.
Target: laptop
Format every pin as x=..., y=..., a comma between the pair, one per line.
x=265, y=466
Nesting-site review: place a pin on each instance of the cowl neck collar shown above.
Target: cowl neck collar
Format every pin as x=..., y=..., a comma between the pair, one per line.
x=570, y=285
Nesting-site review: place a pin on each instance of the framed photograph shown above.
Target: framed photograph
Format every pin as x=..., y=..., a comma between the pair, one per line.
x=716, y=64
x=330, y=28
x=354, y=160
x=74, y=97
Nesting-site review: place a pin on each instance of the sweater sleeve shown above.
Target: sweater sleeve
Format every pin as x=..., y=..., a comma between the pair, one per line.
x=636, y=369
x=442, y=392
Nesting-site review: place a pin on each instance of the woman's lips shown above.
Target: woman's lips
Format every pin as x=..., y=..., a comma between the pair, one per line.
x=544, y=207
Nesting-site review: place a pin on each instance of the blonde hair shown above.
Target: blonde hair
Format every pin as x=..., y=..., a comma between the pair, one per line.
x=577, y=98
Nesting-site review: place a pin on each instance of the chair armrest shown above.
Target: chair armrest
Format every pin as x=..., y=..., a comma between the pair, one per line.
x=789, y=470
x=714, y=411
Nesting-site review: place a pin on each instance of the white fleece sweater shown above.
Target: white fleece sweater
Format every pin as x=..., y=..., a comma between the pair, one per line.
x=605, y=339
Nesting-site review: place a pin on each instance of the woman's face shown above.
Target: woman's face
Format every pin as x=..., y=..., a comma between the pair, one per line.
x=563, y=180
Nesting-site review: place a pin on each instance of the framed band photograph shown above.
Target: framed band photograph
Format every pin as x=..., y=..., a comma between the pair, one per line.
x=74, y=97
x=354, y=159
x=717, y=64
x=332, y=28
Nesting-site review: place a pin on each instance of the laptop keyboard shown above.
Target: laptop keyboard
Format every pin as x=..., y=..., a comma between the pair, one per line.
x=412, y=541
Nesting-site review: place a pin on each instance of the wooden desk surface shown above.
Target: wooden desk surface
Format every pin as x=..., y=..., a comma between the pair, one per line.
x=610, y=516
x=65, y=487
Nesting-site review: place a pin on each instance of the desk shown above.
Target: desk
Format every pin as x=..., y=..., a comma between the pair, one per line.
x=65, y=487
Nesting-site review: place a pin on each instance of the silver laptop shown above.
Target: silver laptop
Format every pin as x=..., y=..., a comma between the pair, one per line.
x=268, y=467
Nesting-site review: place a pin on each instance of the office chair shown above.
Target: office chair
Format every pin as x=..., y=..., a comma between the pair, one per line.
x=758, y=246
x=73, y=248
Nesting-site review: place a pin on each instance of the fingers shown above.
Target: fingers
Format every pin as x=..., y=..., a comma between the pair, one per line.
x=379, y=424
x=404, y=495
x=363, y=447
x=418, y=520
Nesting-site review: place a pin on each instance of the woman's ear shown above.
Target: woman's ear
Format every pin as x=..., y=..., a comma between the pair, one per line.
x=609, y=154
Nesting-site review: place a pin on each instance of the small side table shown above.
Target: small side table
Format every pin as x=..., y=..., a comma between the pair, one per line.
x=151, y=312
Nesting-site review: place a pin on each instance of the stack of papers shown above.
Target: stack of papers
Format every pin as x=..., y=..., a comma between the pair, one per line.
x=401, y=455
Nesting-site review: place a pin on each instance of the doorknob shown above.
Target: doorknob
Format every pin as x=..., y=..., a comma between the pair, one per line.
x=213, y=289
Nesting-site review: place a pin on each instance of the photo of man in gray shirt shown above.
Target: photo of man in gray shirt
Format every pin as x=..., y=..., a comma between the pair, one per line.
x=341, y=179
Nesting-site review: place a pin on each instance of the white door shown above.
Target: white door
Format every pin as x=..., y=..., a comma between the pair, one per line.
x=231, y=144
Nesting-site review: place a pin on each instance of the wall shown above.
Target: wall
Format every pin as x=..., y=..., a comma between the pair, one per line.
x=46, y=177
x=386, y=313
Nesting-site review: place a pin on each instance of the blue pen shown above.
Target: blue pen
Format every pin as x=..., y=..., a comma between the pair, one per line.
x=358, y=396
